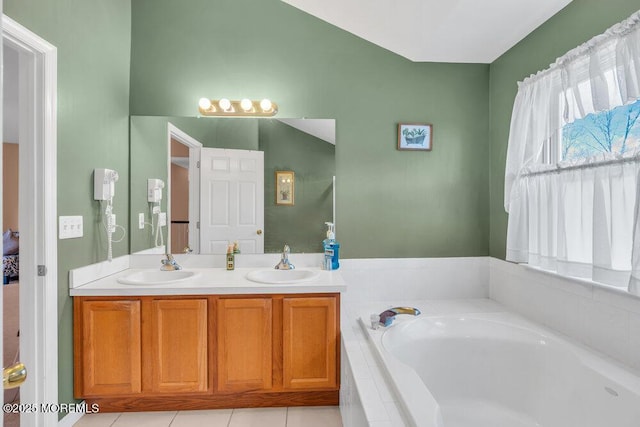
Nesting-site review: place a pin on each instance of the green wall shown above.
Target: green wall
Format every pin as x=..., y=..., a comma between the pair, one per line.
x=574, y=25
x=301, y=226
x=93, y=39
x=390, y=203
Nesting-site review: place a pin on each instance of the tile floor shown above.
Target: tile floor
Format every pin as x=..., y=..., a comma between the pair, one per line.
x=320, y=416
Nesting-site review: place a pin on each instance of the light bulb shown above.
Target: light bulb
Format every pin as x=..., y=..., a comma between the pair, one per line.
x=265, y=104
x=225, y=104
x=204, y=103
x=246, y=104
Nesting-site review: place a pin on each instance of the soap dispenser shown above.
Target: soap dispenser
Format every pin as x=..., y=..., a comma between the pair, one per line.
x=230, y=257
x=331, y=249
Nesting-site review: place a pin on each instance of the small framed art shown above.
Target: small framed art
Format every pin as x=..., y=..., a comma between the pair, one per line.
x=285, y=184
x=413, y=136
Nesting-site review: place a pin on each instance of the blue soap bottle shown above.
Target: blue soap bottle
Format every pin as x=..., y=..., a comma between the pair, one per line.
x=331, y=249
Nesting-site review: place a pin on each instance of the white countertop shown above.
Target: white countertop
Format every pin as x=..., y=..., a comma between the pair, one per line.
x=210, y=281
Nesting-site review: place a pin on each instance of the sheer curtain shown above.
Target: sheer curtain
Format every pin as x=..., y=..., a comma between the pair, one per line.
x=577, y=218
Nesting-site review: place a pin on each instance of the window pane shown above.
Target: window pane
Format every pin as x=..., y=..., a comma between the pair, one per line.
x=615, y=131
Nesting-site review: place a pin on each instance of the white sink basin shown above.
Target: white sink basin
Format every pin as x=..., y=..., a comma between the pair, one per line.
x=282, y=276
x=157, y=277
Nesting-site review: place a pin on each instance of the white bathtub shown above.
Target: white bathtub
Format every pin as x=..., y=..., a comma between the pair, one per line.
x=499, y=370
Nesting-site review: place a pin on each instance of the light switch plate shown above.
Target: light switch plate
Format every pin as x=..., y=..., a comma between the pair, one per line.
x=70, y=227
x=141, y=220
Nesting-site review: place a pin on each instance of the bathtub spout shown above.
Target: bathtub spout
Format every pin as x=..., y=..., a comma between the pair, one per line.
x=387, y=316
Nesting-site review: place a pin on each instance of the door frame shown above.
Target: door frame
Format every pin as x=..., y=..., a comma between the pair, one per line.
x=194, y=185
x=38, y=213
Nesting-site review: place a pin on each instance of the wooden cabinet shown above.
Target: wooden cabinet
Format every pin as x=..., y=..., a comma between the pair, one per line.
x=178, y=345
x=110, y=347
x=206, y=351
x=245, y=337
x=310, y=335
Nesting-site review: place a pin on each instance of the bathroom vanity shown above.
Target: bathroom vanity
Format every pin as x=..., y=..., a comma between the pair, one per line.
x=216, y=340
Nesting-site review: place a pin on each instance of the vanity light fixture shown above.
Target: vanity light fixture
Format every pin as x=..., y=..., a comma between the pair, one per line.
x=225, y=104
x=246, y=107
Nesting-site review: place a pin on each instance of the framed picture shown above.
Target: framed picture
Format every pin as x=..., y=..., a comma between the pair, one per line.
x=413, y=136
x=285, y=182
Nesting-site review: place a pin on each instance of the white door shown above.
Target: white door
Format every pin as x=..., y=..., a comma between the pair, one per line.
x=232, y=200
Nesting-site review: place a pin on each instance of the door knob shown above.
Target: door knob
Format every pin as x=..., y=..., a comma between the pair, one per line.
x=14, y=375
x=259, y=232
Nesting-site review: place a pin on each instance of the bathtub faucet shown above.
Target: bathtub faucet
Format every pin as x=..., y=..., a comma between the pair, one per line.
x=387, y=316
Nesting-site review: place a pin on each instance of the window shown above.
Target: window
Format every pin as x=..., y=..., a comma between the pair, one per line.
x=572, y=176
x=616, y=131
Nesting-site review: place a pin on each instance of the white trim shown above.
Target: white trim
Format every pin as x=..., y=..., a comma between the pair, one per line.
x=71, y=418
x=88, y=273
x=38, y=61
x=156, y=250
x=194, y=185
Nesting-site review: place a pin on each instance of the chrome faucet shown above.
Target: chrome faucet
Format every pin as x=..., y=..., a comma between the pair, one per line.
x=284, y=263
x=169, y=264
x=386, y=317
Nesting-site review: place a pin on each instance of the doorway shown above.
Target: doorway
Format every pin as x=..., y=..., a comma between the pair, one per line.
x=183, y=193
x=36, y=82
x=11, y=224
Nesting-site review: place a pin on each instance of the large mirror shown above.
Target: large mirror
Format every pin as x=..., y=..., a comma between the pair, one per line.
x=219, y=177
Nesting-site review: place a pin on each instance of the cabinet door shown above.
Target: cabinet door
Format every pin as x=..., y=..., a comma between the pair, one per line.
x=244, y=344
x=179, y=345
x=310, y=342
x=110, y=347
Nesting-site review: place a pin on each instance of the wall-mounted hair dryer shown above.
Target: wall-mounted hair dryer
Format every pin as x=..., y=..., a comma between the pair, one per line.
x=158, y=218
x=154, y=190
x=104, y=184
x=104, y=189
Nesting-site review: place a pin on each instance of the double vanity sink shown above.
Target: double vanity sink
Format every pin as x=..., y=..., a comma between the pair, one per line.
x=251, y=337
x=265, y=276
x=142, y=276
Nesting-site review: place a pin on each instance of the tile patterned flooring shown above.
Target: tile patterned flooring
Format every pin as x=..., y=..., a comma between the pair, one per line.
x=317, y=416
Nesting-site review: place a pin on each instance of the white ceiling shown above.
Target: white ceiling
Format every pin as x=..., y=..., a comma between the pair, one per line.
x=471, y=31
x=324, y=129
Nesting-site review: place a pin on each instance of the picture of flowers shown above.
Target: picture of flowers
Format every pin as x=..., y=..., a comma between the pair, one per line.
x=285, y=181
x=415, y=136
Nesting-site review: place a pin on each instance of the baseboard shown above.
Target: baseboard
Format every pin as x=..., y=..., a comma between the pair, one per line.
x=71, y=418
x=220, y=401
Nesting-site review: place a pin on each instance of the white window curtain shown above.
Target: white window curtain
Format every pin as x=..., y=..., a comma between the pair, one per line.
x=581, y=218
